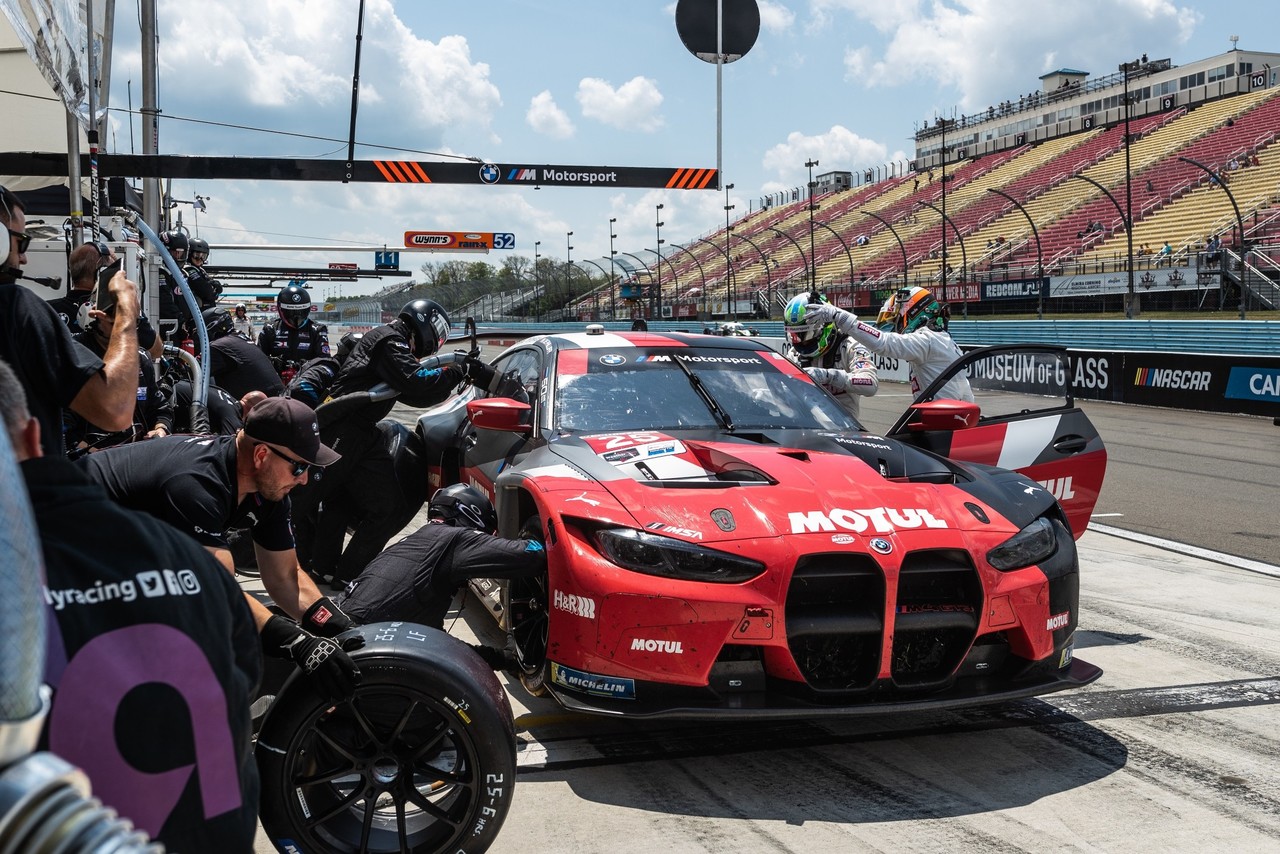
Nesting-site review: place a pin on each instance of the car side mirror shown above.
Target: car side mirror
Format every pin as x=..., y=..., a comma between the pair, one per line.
x=944, y=414
x=500, y=413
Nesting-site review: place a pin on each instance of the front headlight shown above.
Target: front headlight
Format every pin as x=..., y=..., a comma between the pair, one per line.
x=651, y=554
x=1029, y=546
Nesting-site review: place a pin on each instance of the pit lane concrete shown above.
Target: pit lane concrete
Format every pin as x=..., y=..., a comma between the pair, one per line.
x=1175, y=748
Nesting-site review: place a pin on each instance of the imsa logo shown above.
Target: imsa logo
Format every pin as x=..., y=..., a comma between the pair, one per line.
x=882, y=520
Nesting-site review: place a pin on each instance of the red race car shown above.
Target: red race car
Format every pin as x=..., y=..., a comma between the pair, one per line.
x=724, y=539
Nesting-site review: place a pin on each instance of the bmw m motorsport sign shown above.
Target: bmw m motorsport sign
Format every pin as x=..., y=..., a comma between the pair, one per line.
x=205, y=167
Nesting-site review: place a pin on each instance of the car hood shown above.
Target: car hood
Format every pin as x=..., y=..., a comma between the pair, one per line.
x=710, y=486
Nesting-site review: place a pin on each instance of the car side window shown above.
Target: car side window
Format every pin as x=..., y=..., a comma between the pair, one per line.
x=521, y=374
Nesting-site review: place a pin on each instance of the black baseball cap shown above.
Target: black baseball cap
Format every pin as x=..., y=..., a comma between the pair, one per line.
x=289, y=424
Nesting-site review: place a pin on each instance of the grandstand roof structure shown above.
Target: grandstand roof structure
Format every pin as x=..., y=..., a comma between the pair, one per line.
x=1033, y=189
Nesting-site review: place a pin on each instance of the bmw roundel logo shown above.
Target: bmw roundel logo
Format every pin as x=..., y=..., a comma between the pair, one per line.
x=881, y=545
x=613, y=359
x=489, y=173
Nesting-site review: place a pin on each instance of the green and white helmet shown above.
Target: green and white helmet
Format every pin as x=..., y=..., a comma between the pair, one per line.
x=808, y=343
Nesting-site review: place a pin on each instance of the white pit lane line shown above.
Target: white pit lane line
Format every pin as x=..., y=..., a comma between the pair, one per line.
x=1192, y=551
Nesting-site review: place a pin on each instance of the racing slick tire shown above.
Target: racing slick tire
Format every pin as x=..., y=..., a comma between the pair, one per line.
x=421, y=759
x=525, y=606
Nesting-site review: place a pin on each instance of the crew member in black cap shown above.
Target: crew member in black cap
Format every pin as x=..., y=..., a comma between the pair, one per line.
x=204, y=485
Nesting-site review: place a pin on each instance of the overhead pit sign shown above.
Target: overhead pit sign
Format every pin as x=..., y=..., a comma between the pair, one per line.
x=458, y=241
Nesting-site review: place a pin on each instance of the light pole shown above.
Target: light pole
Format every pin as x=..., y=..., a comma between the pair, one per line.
x=1039, y=252
x=1244, y=247
x=847, y=253
x=732, y=313
x=613, y=256
x=675, y=280
x=768, y=279
x=595, y=292
x=943, y=211
x=902, y=247
x=701, y=273
x=568, y=273
x=794, y=243
x=813, y=261
x=537, y=280
x=657, y=222
x=1132, y=306
x=1133, y=302
x=964, y=256
x=728, y=270
x=635, y=276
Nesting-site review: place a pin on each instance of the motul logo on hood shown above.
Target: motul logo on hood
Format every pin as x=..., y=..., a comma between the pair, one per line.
x=882, y=520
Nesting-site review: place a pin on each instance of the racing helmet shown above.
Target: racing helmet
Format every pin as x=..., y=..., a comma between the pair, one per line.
x=912, y=308
x=176, y=243
x=462, y=505
x=198, y=247
x=427, y=323
x=218, y=322
x=346, y=344
x=809, y=343
x=293, y=304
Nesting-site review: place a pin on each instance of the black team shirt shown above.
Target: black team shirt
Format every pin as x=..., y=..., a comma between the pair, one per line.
x=154, y=658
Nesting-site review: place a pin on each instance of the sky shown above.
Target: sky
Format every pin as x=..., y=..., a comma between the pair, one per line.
x=593, y=83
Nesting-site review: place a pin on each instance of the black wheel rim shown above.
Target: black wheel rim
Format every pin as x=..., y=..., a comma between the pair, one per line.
x=527, y=599
x=389, y=770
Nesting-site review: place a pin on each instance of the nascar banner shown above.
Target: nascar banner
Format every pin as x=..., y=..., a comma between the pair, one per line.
x=1196, y=381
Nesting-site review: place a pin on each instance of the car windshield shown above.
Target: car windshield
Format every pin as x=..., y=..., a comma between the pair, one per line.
x=600, y=390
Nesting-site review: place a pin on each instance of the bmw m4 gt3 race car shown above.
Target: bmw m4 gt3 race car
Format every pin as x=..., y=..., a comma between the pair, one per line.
x=724, y=539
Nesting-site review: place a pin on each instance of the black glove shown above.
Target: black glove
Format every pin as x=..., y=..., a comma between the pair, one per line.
x=334, y=674
x=481, y=374
x=326, y=619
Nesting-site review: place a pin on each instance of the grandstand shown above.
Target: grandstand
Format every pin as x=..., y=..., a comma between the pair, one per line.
x=1061, y=153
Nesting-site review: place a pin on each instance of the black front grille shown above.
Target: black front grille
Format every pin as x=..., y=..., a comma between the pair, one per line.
x=936, y=618
x=835, y=620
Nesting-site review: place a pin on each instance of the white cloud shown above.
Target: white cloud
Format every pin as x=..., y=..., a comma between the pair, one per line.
x=775, y=17
x=856, y=61
x=837, y=149
x=973, y=46
x=632, y=106
x=291, y=63
x=546, y=117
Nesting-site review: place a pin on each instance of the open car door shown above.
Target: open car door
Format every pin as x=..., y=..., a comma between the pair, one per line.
x=1025, y=419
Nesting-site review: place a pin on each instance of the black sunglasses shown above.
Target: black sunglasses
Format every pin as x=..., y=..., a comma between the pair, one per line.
x=24, y=239
x=298, y=466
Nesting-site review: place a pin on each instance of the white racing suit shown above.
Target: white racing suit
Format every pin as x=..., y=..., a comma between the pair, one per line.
x=927, y=351
x=846, y=371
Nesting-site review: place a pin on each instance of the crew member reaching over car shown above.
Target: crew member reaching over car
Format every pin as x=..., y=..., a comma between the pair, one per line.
x=912, y=326
x=831, y=358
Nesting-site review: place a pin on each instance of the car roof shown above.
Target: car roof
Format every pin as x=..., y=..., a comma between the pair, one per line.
x=620, y=340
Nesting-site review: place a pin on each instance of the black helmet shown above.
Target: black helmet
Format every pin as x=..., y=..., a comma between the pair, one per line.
x=293, y=304
x=198, y=247
x=462, y=505
x=346, y=344
x=176, y=243
x=428, y=323
x=218, y=322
